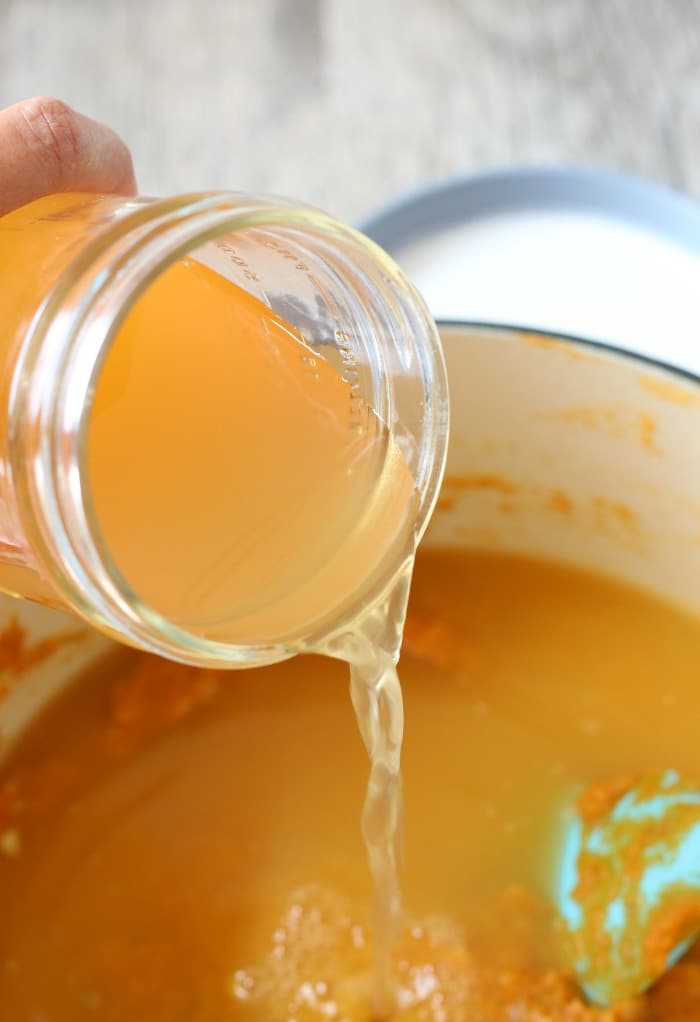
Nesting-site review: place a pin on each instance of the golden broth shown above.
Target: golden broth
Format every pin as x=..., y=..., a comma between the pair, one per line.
x=183, y=845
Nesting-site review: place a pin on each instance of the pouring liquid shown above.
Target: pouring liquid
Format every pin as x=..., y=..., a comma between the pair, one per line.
x=372, y=652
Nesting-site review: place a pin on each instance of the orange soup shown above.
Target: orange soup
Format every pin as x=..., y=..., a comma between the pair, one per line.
x=184, y=845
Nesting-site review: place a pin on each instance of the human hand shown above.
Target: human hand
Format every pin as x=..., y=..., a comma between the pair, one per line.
x=47, y=147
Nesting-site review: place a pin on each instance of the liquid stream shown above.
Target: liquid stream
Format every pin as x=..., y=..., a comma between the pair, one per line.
x=372, y=652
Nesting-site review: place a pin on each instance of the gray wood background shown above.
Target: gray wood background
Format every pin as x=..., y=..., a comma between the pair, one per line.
x=347, y=102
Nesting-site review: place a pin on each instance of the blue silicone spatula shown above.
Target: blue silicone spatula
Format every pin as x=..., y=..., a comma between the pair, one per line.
x=628, y=887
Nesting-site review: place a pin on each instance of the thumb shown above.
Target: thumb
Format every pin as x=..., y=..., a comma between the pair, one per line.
x=47, y=147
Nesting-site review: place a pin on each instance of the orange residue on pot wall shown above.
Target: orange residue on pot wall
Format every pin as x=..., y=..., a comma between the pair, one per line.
x=616, y=422
x=616, y=510
x=606, y=516
x=665, y=390
x=571, y=349
x=482, y=481
x=18, y=654
x=446, y=502
x=648, y=427
x=487, y=482
x=560, y=502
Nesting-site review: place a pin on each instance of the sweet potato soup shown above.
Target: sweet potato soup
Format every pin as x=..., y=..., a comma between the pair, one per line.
x=184, y=846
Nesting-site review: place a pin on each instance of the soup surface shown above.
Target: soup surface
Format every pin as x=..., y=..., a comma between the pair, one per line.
x=184, y=846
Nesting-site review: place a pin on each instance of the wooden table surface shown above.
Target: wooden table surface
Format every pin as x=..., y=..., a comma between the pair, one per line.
x=348, y=102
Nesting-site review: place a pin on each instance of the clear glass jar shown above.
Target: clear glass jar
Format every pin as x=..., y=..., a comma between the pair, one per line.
x=73, y=269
